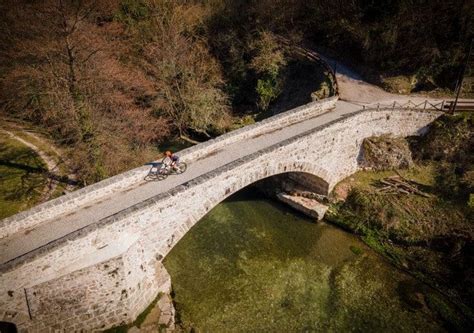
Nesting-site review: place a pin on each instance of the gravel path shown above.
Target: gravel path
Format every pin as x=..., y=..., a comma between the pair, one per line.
x=353, y=88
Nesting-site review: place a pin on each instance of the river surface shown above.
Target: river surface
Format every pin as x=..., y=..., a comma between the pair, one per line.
x=254, y=265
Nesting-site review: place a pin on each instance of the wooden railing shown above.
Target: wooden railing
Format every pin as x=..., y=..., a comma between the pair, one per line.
x=447, y=106
x=425, y=105
x=460, y=106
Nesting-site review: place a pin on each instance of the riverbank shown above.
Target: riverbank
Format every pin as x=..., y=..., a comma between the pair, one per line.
x=429, y=233
x=252, y=264
x=427, y=237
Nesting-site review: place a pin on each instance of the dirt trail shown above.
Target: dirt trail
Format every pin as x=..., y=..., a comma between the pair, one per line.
x=51, y=157
x=353, y=88
x=50, y=164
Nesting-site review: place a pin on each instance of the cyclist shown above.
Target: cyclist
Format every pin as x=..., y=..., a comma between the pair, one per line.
x=171, y=160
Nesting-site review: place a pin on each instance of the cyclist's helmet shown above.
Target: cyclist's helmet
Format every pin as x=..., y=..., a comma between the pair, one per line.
x=168, y=153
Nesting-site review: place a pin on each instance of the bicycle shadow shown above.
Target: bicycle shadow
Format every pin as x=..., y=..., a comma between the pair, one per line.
x=154, y=164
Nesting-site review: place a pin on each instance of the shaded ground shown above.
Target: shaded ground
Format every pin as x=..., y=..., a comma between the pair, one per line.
x=254, y=265
x=22, y=176
x=302, y=78
x=57, y=174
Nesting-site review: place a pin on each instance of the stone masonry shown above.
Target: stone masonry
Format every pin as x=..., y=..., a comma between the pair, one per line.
x=69, y=202
x=107, y=273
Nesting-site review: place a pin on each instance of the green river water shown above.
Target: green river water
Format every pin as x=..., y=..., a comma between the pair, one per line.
x=254, y=265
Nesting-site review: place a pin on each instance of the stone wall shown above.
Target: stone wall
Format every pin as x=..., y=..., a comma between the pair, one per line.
x=312, y=183
x=71, y=201
x=137, y=239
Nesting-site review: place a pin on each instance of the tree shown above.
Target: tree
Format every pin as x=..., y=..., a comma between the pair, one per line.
x=268, y=61
x=63, y=71
x=187, y=78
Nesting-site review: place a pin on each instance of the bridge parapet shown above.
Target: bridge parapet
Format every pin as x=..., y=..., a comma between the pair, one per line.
x=154, y=226
x=69, y=202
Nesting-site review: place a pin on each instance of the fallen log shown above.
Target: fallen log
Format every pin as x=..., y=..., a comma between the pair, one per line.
x=400, y=184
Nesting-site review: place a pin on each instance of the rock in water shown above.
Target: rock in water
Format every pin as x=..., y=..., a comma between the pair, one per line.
x=309, y=207
x=386, y=153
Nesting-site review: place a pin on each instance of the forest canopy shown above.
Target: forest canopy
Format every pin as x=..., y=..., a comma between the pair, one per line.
x=110, y=80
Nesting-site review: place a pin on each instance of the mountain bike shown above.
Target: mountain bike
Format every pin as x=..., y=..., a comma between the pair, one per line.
x=160, y=171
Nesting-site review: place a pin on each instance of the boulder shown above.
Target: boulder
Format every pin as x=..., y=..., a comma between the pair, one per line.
x=386, y=153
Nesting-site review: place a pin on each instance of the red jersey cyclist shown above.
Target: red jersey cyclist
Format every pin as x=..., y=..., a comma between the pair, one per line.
x=171, y=160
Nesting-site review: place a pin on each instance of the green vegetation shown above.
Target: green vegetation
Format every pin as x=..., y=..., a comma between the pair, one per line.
x=22, y=176
x=138, y=321
x=450, y=143
x=431, y=236
x=252, y=265
x=267, y=63
x=40, y=139
x=112, y=80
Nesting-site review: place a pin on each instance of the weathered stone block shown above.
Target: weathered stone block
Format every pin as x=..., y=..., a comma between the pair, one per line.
x=70, y=274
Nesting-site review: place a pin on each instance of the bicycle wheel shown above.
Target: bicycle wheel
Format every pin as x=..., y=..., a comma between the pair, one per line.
x=152, y=175
x=181, y=168
x=161, y=174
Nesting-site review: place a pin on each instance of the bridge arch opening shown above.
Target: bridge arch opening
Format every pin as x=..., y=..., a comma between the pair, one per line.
x=283, y=177
x=290, y=181
x=287, y=178
x=7, y=327
x=227, y=254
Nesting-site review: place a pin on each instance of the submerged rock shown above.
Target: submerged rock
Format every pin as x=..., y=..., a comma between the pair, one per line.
x=386, y=153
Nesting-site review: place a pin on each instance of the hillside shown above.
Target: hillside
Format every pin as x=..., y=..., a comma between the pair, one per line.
x=112, y=80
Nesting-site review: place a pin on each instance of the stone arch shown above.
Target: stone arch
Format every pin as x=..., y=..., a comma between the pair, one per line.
x=221, y=193
x=13, y=320
x=7, y=327
x=298, y=167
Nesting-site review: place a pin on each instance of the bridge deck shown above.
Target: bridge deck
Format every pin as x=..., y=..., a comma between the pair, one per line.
x=23, y=242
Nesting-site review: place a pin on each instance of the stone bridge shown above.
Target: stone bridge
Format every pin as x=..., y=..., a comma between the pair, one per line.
x=91, y=259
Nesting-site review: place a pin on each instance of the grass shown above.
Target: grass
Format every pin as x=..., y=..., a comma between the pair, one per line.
x=416, y=233
x=405, y=218
x=41, y=140
x=22, y=177
x=364, y=180
x=138, y=321
x=62, y=169
x=356, y=250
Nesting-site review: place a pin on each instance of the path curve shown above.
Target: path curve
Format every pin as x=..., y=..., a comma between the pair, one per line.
x=51, y=165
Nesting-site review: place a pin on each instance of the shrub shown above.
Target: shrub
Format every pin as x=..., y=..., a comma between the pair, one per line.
x=268, y=62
